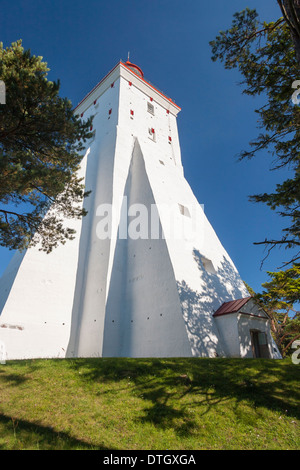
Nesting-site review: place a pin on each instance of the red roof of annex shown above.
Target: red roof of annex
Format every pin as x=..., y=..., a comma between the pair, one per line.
x=232, y=306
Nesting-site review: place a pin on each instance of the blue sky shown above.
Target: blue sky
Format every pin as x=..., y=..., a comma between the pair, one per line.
x=169, y=40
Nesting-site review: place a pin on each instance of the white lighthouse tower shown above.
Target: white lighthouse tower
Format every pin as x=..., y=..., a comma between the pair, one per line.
x=146, y=275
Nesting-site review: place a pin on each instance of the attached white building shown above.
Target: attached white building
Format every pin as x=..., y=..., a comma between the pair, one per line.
x=146, y=275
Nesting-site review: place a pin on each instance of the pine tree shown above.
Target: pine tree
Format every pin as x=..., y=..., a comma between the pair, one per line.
x=40, y=151
x=281, y=299
x=268, y=58
x=265, y=55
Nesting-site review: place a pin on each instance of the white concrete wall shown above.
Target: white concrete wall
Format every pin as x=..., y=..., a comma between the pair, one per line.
x=143, y=312
x=91, y=281
x=228, y=330
x=254, y=309
x=245, y=324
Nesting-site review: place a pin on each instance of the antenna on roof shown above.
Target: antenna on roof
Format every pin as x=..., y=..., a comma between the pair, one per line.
x=128, y=56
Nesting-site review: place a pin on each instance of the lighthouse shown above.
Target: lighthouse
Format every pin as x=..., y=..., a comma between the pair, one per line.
x=146, y=275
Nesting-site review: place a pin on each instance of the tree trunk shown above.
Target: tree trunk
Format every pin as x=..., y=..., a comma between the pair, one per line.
x=291, y=13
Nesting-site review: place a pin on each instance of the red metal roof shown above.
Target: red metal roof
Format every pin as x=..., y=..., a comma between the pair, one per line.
x=134, y=66
x=231, y=307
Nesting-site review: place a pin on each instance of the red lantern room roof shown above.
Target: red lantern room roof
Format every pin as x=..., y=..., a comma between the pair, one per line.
x=135, y=68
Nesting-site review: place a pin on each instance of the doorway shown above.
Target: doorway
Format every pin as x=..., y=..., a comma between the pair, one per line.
x=259, y=344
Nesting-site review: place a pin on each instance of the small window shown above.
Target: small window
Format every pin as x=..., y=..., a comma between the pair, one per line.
x=150, y=108
x=184, y=210
x=208, y=265
x=152, y=135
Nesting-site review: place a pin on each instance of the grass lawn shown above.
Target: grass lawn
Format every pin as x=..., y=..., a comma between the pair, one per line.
x=151, y=404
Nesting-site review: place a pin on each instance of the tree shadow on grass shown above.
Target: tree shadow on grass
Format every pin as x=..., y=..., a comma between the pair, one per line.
x=169, y=393
x=20, y=434
x=177, y=391
x=12, y=379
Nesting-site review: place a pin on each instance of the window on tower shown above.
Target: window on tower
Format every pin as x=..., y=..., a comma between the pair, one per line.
x=150, y=108
x=184, y=210
x=208, y=265
x=152, y=135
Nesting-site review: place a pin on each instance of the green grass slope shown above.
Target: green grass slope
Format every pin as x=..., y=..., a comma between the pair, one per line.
x=151, y=404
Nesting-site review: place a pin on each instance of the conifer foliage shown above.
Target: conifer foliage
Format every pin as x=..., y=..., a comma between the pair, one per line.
x=268, y=57
x=265, y=55
x=40, y=151
x=280, y=298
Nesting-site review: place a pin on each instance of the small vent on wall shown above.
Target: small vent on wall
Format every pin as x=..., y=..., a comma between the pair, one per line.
x=150, y=108
x=152, y=134
x=208, y=265
x=184, y=210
